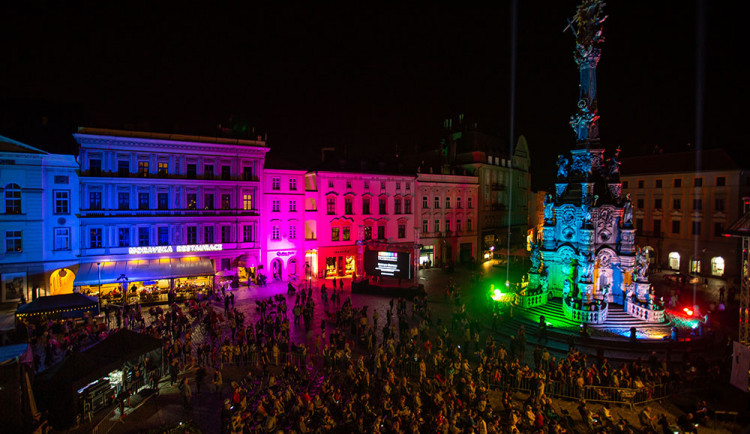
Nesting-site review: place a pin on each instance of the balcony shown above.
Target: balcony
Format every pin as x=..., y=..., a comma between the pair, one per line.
x=169, y=213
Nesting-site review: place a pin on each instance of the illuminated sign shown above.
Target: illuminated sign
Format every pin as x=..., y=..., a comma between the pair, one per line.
x=144, y=250
x=285, y=253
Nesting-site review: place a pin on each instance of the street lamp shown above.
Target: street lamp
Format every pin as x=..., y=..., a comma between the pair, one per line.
x=99, y=295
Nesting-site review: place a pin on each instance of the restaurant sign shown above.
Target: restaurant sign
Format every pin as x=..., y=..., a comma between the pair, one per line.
x=171, y=249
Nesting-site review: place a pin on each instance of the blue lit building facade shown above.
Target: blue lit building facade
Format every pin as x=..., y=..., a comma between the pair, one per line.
x=38, y=221
x=162, y=211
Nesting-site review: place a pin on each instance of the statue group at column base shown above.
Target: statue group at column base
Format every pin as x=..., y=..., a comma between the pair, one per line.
x=536, y=292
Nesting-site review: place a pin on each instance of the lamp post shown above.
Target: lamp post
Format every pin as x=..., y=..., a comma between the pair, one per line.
x=99, y=295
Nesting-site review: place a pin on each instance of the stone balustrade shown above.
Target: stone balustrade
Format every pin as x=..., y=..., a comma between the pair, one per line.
x=645, y=313
x=527, y=301
x=595, y=313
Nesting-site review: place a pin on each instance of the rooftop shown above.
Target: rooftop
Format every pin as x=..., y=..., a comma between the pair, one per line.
x=10, y=145
x=171, y=137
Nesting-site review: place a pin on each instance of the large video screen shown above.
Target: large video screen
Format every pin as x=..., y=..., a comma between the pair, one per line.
x=387, y=264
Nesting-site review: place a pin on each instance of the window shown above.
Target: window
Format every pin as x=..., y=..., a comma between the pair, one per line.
x=13, y=242
x=368, y=233
x=143, y=238
x=677, y=183
x=62, y=238
x=348, y=205
x=123, y=200
x=424, y=202
x=226, y=173
x=717, y=266
x=458, y=202
x=143, y=169
x=718, y=229
x=62, y=202
x=192, y=201
x=676, y=204
x=640, y=183
x=208, y=201
x=208, y=234
x=247, y=202
x=721, y=181
x=468, y=225
x=397, y=205
x=95, y=167
x=276, y=206
x=226, y=201
x=407, y=205
x=348, y=184
x=330, y=184
x=293, y=184
x=95, y=200
x=698, y=182
x=143, y=201
x=674, y=260
x=657, y=203
x=696, y=229
x=675, y=226
x=334, y=233
x=163, y=236
x=639, y=203
x=469, y=200
x=12, y=199
x=365, y=205
x=331, y=205
x=719, y=204
x=292, y=206
x=123, y=237
x=437, y=226
x=192, y=235
x=226, y=234
x=208, y=171
x=697, y=204
x=659, y=183
x=657, y=227
x=163, y=169
x=382, y=185
x=447, y=225
x=424, y=227
x=458, y=225
x=381, y=232
x=625, y=184
x=381, y=205
x=123, y=168
x=447, y=203
x=162, y=200
x=62, y=179
x=292, y=231
x=347, y=233
x=275, y=233
x=95, y=238
x=276, y=183
x=226, y=263
x=192, y=170
x=639, y=225
x=437, y=202
x=408, y=186
x=247, y=173
x=367, y=184
x=247, y=233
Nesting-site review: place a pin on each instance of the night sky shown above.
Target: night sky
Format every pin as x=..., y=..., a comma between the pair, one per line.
x=365, y=77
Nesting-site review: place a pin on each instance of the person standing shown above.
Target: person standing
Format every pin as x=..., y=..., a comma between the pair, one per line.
x=185, y=393
x=217, y=381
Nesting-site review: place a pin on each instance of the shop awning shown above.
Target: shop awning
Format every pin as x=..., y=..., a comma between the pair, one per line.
x=143, y=269
x=71, y=305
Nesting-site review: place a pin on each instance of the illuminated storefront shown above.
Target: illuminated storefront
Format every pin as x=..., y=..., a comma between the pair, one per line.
x=338, y=261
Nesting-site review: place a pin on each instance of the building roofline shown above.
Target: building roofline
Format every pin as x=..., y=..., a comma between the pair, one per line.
x=106, y=132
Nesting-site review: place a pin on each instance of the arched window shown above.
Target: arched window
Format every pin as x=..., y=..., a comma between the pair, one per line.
x=717, y=266
x=674, y=260
x=12, y=199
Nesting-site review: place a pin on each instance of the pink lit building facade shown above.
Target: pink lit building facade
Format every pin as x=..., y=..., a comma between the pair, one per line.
x=448, y=217
x=283, y=236
x=348, y=216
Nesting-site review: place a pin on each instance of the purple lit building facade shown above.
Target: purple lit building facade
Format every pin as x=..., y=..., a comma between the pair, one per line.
x=163, y=211
x=349, y=215
x=283, y=236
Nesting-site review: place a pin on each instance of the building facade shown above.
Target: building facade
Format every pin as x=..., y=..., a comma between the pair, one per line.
x=38, y=221
x=683, y=203
x=283, y=240
x=447, y=218
x=163, y=211
x=349, y=215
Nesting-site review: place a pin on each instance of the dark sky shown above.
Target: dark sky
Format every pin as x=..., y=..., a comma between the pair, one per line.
x=365, y=76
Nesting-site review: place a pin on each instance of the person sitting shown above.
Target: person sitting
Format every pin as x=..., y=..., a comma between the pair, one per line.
x=702, y=412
